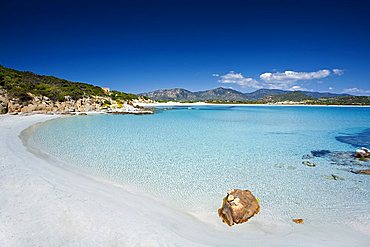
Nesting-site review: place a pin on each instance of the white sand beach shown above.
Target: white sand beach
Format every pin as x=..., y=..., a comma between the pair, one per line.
x=46, y=204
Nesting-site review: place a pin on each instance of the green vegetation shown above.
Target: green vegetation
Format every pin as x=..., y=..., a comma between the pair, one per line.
x=295, y=96
x=20, y=84
x=344, y=100
x=305, y=99
x=116, y=95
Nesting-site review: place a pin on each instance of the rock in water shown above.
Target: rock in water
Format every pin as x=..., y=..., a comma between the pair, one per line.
x=298, y=221
x=365, y=172
x=362, y=153
x=335, y=177
x=320, y=153
x=238, y=207
x=308, y=163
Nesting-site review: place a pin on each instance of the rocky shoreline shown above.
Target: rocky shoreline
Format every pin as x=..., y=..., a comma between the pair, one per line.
x=44, y=105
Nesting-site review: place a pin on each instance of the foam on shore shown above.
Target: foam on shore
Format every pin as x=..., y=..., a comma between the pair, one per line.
x=45, y=204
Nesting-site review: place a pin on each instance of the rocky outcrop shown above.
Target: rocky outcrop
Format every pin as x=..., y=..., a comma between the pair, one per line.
x=238, y=207
x=4, y=101
x=42, y=104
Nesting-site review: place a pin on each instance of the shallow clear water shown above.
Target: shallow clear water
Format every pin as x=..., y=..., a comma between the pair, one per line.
x=190, y=157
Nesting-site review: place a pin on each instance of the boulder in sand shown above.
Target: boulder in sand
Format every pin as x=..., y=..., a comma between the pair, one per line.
x=238, y=207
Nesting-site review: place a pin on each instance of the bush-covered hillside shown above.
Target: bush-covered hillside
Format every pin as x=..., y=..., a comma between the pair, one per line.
x=295, y=96
x=18, y=84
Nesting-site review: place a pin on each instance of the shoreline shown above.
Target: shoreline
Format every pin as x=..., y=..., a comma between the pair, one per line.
x=174, y=103
x=69, y=208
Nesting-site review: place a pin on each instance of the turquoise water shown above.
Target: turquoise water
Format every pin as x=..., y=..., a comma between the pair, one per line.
x=189, y=158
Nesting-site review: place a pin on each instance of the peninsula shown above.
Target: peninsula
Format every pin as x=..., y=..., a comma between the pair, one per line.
x=26, y=92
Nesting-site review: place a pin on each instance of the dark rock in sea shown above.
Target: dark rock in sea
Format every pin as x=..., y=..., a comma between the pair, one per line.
x=335, y=177
x=320, y=153
x=238, y=207
x=361, y=139
x=340, y=158
x=307, y=156
x=308, y=163
x=365, y=172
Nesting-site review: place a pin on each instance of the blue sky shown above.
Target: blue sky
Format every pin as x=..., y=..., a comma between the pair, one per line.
x=140, y=46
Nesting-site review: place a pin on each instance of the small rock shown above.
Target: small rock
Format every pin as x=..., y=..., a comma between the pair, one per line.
x=307, y=156
x=365, y=172
x=238, y=207
x=298, y=221
x=308, y=163
x=335, y=177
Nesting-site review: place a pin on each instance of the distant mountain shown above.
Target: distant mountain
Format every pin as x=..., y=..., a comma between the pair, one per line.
x=176, y=94
x=261, y=93
x=220, y=93
x=180, y=94
x=226, y=94
x=295, y=96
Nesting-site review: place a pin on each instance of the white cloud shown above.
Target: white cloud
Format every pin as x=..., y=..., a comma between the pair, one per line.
x=287, y=80
x=355, y=90
x=338, y=72
x=238, y=78
x=331, y=88
x=298, y=88
x=293, y=76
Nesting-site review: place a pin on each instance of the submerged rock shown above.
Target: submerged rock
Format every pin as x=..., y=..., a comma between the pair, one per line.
x=340, y=158
x=307, y=156
x=238, y=207
x=357, y=139
x=335, y=177
x=308, y=163
x=365, y=172
x=320, y=153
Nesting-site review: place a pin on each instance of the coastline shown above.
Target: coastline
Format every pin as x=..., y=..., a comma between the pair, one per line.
x=174, y=103
x=69, y=208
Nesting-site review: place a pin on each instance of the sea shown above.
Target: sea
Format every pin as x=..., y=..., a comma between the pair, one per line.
x=188, y=157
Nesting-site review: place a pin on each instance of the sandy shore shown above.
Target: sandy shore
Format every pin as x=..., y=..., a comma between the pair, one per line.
x=44, y=204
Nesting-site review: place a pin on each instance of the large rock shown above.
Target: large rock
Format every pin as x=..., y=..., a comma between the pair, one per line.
x=238, y=207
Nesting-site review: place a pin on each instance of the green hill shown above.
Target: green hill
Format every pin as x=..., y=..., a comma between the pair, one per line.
x=21, y=85
x=295, y=96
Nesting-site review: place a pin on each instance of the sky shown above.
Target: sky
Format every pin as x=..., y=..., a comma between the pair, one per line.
x=139, y=46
